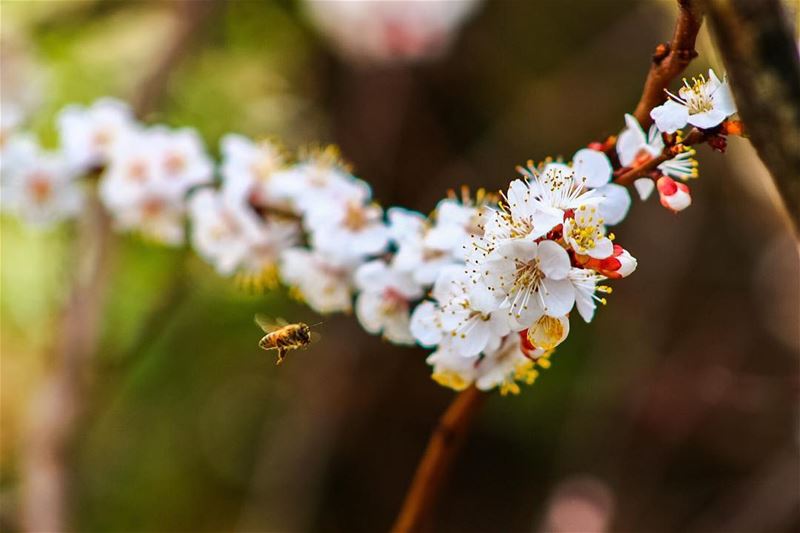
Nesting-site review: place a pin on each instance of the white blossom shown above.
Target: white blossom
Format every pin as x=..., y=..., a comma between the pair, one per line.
x=586, y=233
x=37, y=186
x=90, y=134
x=409, y=232
x=530, y=279
x=384, y=301
x=704, y=103
x=325, y=286
x=317, y=183
x=251, y=165
x=227, y=232
x=145, y=185
x=348, y=231
x=635, y=148
x=468, y=315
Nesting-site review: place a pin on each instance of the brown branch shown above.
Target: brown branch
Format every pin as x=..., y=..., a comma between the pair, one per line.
x=760, y=55
x=433, y=469
x=55, y=411
x=630, y=175
x=670, y=59
x=192, y=16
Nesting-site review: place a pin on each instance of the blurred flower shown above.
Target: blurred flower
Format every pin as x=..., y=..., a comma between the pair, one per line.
x=227, y=232
x=504, y=367
x=383, y=32
x=39, y=187
x=703, y=104
x=348, y=231
x=325, y=286
x=409, y=231
x=317, y=182
x=148, y=177
x=383, y=304
x=250, y=165
x=89, y=135
x=455, y=222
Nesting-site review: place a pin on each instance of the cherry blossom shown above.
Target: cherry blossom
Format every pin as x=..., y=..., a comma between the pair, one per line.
x=324, y=285
x=530, y=279
x=89, y=135
x=704, y=103
x=37, y=186
x=384, y=302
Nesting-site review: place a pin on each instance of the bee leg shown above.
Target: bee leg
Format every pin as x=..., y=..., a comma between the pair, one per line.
x=281, y=355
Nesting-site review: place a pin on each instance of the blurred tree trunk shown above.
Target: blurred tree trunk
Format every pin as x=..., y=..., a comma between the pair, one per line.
x=760, y=54
x=62, y=399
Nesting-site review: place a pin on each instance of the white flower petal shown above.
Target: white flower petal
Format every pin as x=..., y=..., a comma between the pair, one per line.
x=554, y=260
x=670, y=117
x=645, y=187
x=615, y=203
x=591, y=166
x=558, y=296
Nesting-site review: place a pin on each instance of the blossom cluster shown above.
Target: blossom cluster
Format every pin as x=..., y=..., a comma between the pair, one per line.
x=488, y=282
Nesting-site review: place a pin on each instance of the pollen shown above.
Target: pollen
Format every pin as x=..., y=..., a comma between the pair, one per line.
x=450, y=380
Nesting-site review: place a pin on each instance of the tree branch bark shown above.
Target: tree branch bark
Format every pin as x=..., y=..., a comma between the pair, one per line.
x=443, y=446
x=760, y=55
x=57, y=407
x=670, y=59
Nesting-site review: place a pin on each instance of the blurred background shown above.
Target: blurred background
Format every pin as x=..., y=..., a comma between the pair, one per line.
x=675, y=410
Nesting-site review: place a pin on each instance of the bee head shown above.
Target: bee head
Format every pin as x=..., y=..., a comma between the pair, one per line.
x=305, y=333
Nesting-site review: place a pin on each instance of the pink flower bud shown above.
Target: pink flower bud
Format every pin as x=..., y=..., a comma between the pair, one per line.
x=619, y=265
x=627, y=263
x=674, y=195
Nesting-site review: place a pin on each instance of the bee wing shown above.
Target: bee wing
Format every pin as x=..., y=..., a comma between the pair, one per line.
x=266, y=323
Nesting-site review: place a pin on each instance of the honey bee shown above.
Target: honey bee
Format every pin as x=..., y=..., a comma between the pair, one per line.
x=283, y=336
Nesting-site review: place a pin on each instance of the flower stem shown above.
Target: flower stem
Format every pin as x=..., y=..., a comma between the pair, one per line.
x=432, y=471
x=670, y=59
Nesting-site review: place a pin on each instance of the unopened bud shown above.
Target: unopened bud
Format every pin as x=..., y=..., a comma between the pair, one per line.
x=674, y=195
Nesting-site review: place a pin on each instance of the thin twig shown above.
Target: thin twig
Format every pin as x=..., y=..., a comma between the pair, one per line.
x=670, y=59
x=433, y=469
x=630, y=175
x=55, y=411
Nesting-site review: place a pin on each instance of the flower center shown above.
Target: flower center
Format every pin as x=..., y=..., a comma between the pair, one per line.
x=40, y=187
x=137, y=171
x=153, y=207
x=393, y=302
x=696, y=96
x=528, y=275
x=102, y=138
x=355, y=217
x=174, y=163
